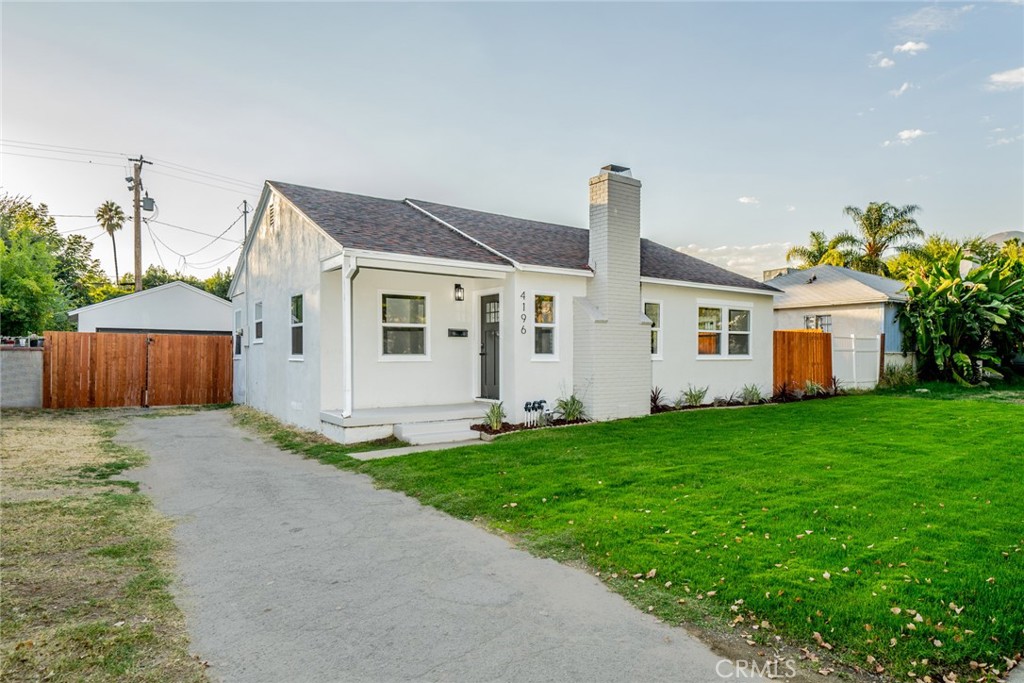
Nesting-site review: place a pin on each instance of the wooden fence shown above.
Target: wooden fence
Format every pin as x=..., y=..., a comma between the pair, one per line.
x=802, y=355
x=101, y=369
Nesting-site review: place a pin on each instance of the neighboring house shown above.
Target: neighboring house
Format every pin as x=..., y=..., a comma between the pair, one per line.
x=855, y=307
x=174, y=308
x=364, y=316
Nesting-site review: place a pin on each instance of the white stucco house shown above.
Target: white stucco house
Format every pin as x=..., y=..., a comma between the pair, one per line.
x=859, y=309
x=173, y=308
x=361, y=317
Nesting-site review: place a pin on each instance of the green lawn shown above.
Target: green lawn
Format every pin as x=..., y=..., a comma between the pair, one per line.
x=890, y=524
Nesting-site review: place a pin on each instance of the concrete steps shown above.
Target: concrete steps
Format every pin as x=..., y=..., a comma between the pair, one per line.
x=440, y=431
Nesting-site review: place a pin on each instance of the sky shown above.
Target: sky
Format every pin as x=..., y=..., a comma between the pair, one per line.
x=750, y=124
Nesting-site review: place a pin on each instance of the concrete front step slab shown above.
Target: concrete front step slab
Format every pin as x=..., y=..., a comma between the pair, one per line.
x=418, y=438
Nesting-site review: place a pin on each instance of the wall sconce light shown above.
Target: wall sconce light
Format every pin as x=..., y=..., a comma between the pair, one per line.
x=460, y=293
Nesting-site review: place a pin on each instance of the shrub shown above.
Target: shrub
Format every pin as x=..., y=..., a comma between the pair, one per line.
x=835, y=387
x=750, y=394
x=897, y=376
x=812, y=388
x=658, y=403
x=571, y=409
x=692, y=396
x=495, y=416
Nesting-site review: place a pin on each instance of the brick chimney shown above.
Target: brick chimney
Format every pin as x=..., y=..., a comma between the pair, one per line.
x=612, y=351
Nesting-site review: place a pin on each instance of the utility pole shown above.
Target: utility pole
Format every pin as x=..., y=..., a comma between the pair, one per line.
x=137, y=203
x=245, y=219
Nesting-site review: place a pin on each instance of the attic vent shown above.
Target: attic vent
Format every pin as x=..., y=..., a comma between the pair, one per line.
x=271, y=218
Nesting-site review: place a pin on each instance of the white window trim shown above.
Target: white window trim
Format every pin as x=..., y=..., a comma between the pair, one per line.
x=544, y=357
x=660, y=355
x=237, y=341
x=257, y=339
x=292, y=326
x=402, y=357
x=723, y=344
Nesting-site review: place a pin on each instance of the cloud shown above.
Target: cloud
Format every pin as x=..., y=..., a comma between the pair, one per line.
x=749, y=200
x=911, y=48
x=880, y=61
x=929, y=20
x=1007, y=141
x=905, y=137
x=1006, y=80
x=749, y=260
x=901, y=90
x=790, y=208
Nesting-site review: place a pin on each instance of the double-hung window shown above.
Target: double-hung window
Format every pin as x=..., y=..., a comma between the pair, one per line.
x=652, y=310
x=544, y=325
x=297, y=325
x=403, y=319
x=723, y=331
x=257, y=322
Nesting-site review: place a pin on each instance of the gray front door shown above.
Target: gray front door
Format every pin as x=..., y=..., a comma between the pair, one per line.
x=490, y=316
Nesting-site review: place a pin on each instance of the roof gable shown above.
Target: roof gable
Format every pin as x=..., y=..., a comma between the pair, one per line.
x=834, y=286
x=360, y=222
x=195, y=291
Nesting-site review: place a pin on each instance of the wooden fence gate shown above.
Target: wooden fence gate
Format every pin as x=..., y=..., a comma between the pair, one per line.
x=103, y=370
x=802, y=355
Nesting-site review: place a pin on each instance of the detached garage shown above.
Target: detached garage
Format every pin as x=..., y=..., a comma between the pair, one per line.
x=174, y=308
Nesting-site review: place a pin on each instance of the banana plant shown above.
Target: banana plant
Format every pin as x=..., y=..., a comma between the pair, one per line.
x=959, y=324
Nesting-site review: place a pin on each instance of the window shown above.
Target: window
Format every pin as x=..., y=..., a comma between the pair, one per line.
x=653, y=311
x=403, y=325
x=714, y=323
x=818, y=322
x=544, y=324
x=238, y=332
x=257, y=321
x=297, y=325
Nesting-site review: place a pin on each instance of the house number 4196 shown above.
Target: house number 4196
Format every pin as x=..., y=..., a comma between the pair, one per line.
x=522, y=316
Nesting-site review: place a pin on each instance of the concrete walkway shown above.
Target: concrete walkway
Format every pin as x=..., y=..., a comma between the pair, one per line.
x=295, y=571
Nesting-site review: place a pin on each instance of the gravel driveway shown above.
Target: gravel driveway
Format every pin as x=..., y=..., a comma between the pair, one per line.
x=290, y=570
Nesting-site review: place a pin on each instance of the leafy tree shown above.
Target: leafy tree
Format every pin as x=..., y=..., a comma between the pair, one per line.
x=879, y=228
x=218, y=283
x=824, y=251
x=905, y=264
x=30, y=296
x=957, y=323
x=111, y=217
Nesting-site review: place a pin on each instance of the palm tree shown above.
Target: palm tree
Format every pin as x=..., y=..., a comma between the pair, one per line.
x=880, y=227
x=821, y=250
x=112, y=218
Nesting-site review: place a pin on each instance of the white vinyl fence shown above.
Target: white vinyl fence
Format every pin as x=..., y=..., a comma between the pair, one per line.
x=856, y=361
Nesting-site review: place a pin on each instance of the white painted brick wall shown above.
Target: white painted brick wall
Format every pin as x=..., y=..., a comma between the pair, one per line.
x=612, y=364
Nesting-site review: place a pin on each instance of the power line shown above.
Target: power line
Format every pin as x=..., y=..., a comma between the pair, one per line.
x=71, y=215
x=236, y=190
x=73, y=161
x=233, y=224
x=189, y=169
x=40, y=148
x=198, y=232
x=152, y=239
x=88, y=227
x=214, y=262
x=60, y=147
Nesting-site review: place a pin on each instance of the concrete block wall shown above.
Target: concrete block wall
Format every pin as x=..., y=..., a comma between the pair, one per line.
x=21, y=378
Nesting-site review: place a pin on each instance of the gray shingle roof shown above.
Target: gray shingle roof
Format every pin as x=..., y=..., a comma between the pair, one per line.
x=361, y=222
x=393, y=226
x=834, y=286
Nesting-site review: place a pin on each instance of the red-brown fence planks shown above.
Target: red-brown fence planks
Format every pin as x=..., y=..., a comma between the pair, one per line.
x=802, y=355
x=102, y=369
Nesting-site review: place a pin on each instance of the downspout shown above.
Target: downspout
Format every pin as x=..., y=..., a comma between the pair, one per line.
x=349, y=271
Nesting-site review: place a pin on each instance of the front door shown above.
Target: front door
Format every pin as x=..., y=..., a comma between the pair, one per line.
x=490, y=316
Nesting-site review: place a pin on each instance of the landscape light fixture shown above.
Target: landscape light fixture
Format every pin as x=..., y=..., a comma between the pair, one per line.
x=460, y=292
